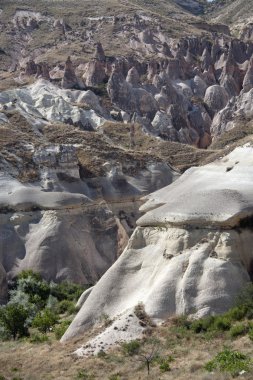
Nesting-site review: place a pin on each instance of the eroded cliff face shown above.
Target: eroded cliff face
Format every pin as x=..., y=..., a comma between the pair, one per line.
x=191, y=92
x=190, y=254
x=64, y=226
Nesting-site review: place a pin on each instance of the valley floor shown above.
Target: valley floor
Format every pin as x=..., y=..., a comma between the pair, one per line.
x=189, y=351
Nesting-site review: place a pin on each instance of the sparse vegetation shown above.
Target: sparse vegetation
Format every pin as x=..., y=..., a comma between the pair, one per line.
x=131, y=348
x=60, y=329
x=233, y=362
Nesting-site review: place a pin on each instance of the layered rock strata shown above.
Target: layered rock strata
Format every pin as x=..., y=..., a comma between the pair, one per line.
x=67, y=227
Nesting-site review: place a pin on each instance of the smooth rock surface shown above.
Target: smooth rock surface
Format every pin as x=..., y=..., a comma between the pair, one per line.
x=179, y=260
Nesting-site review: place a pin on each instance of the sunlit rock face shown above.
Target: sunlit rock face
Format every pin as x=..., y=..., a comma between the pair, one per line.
x=67, y=227
x=190, y=254
x=44, y=102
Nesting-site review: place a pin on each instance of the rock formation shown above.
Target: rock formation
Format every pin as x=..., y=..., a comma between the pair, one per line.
x=69, y=79
x=248, y=79
x=99, y=52
x=190, y=254
x=127, y=97
x=67, y=227
x=31, y=67
x=43, y=71
x=43, y=101
x=133, y=77
x=94, y=73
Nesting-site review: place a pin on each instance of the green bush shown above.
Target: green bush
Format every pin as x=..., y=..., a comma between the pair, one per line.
x=67, y=291
x=131, y=348
x=236, y=313
x=181, y=321
x=61, y=328
x=65, y=306
x=229, y=361
x=84, y=375
x=29, y=273
x=37, y=289
x=164, y=363
x=211, y=323
x=221, y=323
x=202, y=325
x=238, y=330
x=44, y=320
x=38, y=338
x=13, y=319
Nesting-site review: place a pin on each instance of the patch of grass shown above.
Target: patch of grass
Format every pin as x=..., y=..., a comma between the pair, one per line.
x=164, y=363
x=38, y=338
x=238, y=330
x=84, y=375
x=131, y=348
x=202, y=325
x=115, y=376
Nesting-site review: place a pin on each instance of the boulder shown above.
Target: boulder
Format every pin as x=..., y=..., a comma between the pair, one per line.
x=161, y=123
x=216, y=97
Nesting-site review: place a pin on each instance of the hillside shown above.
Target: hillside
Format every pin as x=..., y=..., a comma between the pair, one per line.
x=126, y=189
x=235, y=13
x=85, y=23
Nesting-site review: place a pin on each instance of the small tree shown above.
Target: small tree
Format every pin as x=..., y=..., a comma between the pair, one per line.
x=44, y=320
x=149, y=356
x=37, y=289
x=13, y=318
